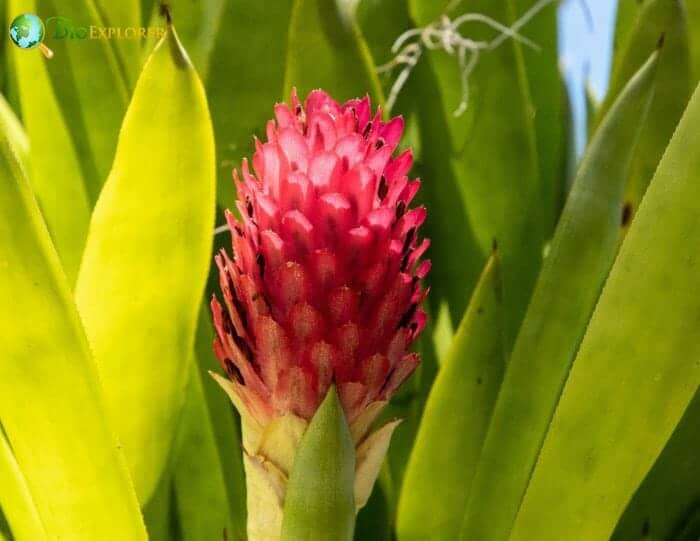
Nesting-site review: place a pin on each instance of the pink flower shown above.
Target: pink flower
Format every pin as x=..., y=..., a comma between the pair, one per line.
x=325, y=280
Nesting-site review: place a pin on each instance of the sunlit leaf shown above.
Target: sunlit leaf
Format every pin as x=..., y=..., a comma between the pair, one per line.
x=637, y=368
x=51, y=404
x=53, y=166
x=147, y=257
x=16, y=501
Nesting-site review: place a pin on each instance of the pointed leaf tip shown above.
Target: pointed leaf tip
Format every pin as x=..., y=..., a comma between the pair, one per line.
x=320, y=499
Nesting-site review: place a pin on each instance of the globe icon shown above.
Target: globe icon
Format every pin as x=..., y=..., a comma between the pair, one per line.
x=27, y=31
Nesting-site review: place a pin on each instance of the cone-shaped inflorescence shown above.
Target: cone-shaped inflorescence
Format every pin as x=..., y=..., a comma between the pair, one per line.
x=325, y=280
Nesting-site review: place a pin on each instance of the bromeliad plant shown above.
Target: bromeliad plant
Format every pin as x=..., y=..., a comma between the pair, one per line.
x=556, y=395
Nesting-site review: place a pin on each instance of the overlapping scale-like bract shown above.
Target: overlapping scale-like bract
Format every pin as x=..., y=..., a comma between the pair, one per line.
x=325, y=280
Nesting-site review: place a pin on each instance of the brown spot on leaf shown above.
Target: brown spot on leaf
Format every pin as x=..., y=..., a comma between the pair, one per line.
x=626, y=214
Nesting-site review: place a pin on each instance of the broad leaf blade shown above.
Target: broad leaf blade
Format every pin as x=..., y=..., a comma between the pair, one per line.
x=455, y=419
x=637, y=368
x=51, y=404
x=319, y=503
x=147, y=257
x=581, y=254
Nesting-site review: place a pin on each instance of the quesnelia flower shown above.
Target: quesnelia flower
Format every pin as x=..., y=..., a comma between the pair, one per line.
x=324, y=287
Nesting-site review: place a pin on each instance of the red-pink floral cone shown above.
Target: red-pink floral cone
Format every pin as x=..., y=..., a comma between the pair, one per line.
x=324, y=287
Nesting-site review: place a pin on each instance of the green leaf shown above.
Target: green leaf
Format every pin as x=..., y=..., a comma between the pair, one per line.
x=225, y=425
x=51, y=404
x=15, y=499
x=693, y=18
x=200, y=491
x=657, y=21
x=53, y=166
x=240, y=109
x=90, y=85
x=326, y=49
x=159, y=513
x=319, y=503
x=455, y=257
x=542, y=75
x=690, y=529
x=147, y=257
x=581, y=254
x=637, y=368
x=455, y=419
x=374, y=521
x=672, y=486
x=15, y=133
x=592, y=108
x=491, y=150
x=208, y=478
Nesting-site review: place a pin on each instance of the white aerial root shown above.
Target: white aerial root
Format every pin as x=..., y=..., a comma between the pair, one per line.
x=444, y=34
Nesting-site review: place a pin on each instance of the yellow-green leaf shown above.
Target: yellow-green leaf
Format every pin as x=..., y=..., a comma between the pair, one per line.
x=147, y=257
x=53, y=166
x=637, y=368
x=51, y=404
x=15, y=500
